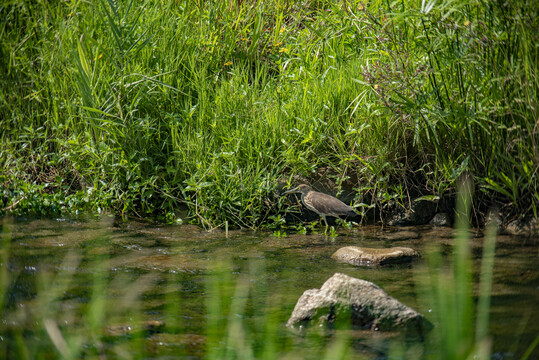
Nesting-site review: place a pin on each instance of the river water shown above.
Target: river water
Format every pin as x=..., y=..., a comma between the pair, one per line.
x=139, y=289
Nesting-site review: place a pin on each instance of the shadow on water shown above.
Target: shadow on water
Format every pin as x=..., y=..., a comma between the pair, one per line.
x=135, y=289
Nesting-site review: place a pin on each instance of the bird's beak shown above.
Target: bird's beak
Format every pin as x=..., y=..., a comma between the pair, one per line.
x=290, y=191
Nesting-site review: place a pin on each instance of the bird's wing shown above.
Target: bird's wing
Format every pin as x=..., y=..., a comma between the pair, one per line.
x=327, y=204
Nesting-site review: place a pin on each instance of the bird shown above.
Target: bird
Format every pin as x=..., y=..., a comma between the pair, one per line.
x=322, y=204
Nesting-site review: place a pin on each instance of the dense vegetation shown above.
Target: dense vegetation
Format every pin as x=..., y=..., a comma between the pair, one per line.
x=144, y=107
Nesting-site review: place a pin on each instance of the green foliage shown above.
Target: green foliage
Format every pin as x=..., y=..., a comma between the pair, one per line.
x=145, y=107
x=461, y=327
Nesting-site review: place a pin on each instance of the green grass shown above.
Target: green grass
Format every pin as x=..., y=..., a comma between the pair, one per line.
x=460, y=324
x=147, y=107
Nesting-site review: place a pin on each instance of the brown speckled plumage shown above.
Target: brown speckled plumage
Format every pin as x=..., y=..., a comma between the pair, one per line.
x=322, y=204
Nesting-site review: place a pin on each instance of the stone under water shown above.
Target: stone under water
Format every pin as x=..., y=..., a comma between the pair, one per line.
x=359, y=256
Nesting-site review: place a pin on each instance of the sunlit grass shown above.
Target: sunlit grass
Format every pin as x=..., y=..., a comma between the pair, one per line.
x=147, y=107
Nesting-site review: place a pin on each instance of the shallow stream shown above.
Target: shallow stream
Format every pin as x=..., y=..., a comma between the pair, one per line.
x=158, y=283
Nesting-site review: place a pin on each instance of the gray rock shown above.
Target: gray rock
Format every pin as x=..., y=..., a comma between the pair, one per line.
x=343, y=296
x=420, y=213
x=400, y=235
x=494, y=218
x=441, y=219
x=523, y=227
x=368, y=256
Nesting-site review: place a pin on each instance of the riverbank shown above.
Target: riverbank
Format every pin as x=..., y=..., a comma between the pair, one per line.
x=211, y=108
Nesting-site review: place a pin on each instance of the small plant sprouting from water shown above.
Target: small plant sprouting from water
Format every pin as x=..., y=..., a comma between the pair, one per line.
x=279, y=233
x=301, y=229
x=314, y=226
x=276, y=222
x=348, y=225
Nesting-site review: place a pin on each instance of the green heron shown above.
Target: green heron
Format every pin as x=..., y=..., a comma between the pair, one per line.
x=322, y=204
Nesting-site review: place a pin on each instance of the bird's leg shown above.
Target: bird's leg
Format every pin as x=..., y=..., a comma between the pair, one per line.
x=326, y=222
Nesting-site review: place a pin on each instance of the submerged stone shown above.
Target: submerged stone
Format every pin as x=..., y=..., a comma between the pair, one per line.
x=420, y=213
x=438, y=233
x=148, y=260
x=369, y=256
x=441, y=219
x=400, y=235
x=523, y=227
x=177, y=344
x=149, y=326
x=343, y=297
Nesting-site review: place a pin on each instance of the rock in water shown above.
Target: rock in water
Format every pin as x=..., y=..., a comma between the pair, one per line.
x=525, y=228
x=369, y=306
x=399, y=235
x=367, y=256
x=421, y=212
x=441, y=219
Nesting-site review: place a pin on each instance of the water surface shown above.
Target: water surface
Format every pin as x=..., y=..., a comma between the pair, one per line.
x=170, y=290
